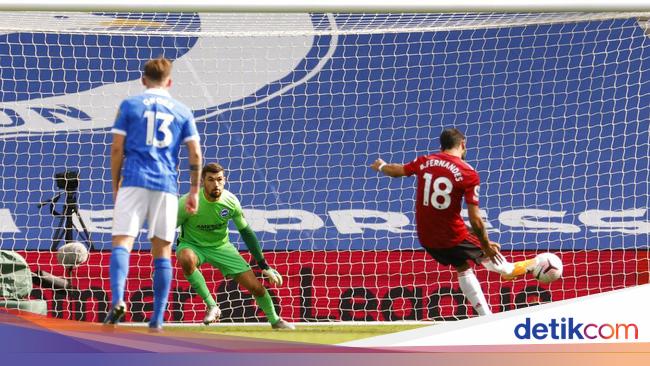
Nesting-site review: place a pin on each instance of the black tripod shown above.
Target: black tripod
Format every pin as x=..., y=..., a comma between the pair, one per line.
x=68, y=181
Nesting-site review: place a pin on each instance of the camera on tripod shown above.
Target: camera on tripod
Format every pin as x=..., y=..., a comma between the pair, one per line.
x=68, y=182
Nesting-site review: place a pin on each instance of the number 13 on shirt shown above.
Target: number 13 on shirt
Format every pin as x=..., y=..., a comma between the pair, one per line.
x=166, y=120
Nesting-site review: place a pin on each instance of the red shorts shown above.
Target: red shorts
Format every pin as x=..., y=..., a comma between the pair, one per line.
x=468, y=249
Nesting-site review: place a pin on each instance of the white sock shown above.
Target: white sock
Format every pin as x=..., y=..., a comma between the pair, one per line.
x=504, y=268
x=472, y=289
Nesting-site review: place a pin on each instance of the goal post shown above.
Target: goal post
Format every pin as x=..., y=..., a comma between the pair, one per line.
x=295, y=106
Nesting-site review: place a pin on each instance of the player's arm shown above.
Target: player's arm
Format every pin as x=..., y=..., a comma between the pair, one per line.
x=196, y=159
x=117, y=147
x=253, y=245
x=478, y=226
x=389, y=169
x=190, y=136
x=181, y=214
x=490, y=249
x=117, y=158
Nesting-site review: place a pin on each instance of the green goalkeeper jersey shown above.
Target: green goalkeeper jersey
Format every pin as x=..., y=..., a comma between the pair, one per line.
x=209, y=225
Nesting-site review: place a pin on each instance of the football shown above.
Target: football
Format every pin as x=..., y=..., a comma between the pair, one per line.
x=548, y=267
x=72, y=255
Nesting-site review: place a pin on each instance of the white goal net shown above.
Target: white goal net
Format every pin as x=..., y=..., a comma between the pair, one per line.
x=556, y=108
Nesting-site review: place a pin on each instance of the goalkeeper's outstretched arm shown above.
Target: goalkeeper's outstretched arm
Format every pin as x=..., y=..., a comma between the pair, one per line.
x=253, y=245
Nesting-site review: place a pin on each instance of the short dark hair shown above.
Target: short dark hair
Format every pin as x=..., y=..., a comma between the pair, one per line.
x=157, y=69
x=451, y=138
x=212, y=168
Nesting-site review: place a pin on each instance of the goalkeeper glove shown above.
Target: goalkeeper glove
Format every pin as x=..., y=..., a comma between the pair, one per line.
x=273, y=276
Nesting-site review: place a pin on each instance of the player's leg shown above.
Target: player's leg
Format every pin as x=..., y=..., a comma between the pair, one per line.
x=119, y=266
x=231, y=264
x=263, y=299
x=457, y=257
x=118, y=271
x=472, y=290
x=248, y=281
x=128, y=216
x=162, y=278
x=188, y=258
x=161, y=218
x=507, y=270
x=519, y=269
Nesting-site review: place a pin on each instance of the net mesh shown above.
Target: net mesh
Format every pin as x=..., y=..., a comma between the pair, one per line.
x=296, y=106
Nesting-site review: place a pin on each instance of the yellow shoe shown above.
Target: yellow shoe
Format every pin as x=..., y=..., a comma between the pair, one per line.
x=521, y=268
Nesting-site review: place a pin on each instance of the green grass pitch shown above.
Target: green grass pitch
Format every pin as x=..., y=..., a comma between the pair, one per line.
x=320, y=334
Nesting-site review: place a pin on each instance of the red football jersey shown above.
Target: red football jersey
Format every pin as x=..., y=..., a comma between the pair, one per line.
x=443, y=180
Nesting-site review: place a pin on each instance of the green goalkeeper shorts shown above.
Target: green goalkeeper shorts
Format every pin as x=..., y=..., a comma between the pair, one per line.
x=225, y=257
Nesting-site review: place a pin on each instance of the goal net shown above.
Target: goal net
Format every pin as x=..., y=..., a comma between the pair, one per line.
x=296, y=106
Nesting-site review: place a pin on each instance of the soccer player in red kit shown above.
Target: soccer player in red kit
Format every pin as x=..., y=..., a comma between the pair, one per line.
x=444, y=178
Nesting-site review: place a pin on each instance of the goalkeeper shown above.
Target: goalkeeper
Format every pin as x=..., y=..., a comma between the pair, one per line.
x=204, y=238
